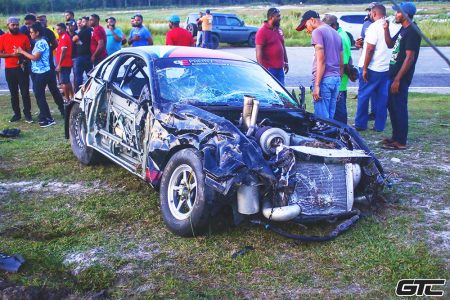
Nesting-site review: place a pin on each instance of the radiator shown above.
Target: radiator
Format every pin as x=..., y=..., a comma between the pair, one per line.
x=322, y=189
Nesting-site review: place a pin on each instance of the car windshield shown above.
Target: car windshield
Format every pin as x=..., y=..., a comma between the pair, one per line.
x=218, y=82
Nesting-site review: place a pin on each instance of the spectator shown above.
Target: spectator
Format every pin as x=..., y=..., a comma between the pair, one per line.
x=49, y=36
x=64, y=59
x=82, y=62
x=43, y=20
x=139, y=35
x=16, y=77
x=40, y=67
x=270, y=50
x=71, y=32
x=198, y=42
x=373, y=78
x=114, y=36
x=98, y=40
x=327, y=65
x=341, y=103
x=132, y=22
x=207, y=23
x=29, y=21
x=359, y=43
x=177, y=36
x=406, y=46
x=78, y=25
x=70, y=16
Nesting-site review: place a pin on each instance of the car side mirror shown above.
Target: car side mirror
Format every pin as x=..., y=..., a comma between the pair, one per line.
x=301, y=97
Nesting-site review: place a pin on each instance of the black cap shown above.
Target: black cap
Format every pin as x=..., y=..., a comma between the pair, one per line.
x=306, y=16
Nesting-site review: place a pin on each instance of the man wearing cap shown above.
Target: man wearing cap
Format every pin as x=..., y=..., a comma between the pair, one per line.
x=270, y=49
x=70, y=16
x=140, y=35
x=328, y=63
x=64, y=60
x=98, y=40
x=178, y=36
x=207, y=23
x=374, y=69
x=16, y=77
x=82, y=62
x=406, y=46
x=115, y=38
x=341, y=103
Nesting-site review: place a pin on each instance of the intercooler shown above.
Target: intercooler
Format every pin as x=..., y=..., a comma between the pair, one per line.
x=322, y=188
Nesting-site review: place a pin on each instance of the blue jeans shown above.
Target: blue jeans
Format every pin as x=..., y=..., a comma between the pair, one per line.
x=206, y=39
x=81, y=64
x=40, y=81
x=341, y=107
x=398, y=112
x=329, y=90
x=377, y=89
x=199, y=38
x=278, y=73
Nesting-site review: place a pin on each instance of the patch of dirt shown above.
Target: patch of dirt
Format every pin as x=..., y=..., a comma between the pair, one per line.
x=50, y=188
x=143, y=251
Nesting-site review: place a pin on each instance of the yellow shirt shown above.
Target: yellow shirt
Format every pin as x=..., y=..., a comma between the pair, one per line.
x=207, y=22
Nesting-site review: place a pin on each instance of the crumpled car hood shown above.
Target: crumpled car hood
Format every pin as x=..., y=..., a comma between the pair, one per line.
x=226, y=149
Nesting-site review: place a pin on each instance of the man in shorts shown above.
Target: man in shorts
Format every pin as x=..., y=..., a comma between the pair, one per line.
x=64, y=60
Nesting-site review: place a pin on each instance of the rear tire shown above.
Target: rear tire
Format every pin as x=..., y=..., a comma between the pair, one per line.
x=214, y=41
x=77, y=136
x=251, y=40
x=192, y=28
x=185, y=198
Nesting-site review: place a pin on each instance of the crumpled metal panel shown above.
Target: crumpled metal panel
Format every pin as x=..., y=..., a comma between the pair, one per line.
x=227, y=151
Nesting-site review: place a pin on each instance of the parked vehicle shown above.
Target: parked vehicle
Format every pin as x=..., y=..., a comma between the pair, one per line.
x=351, y=22
x=227, y=28
x=213, y=129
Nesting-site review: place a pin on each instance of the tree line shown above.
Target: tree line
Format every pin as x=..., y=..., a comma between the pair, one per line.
x=9, y=7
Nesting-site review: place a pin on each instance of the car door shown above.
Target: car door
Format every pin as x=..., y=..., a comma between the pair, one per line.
x=352, y=24
x=237, y=31
x=220, y=27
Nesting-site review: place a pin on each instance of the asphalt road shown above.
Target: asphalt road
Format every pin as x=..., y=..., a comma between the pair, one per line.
x=431, y=75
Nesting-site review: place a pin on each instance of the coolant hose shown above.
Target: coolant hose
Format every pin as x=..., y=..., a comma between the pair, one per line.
x=341, y=228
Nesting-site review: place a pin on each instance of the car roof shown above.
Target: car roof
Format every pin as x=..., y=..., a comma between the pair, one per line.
x=216, y=14
x=158, y=52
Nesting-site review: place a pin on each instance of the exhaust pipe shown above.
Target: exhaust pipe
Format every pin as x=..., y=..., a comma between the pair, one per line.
x=281, y=214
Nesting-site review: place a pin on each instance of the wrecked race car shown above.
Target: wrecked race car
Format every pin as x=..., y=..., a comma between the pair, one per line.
x=210, y=129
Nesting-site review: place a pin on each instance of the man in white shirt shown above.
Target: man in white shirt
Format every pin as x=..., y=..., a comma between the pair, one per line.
x=374, y=73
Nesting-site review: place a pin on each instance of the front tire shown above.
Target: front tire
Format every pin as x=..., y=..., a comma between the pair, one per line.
x=185, y=199
x=77, y=136
x=214, y=41
x=252, y=41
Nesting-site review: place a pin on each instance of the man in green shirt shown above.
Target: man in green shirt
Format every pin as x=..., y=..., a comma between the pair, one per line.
x=341, y=103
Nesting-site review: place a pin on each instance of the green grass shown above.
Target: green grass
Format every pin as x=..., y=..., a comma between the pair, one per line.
x=140, y=258
x=155, y=19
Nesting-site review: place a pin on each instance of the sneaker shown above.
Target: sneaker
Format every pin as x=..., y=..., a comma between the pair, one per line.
x=46, y=123
x=28, y=119
x=14, y=118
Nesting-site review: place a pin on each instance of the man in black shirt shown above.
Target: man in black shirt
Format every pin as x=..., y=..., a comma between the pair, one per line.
x=82, y=62
x=406, y=44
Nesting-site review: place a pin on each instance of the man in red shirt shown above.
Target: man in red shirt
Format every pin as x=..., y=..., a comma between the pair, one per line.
x=270, y=50
x=15, y=75
x=178, y=36
x=64, y=60
x=98, y=40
